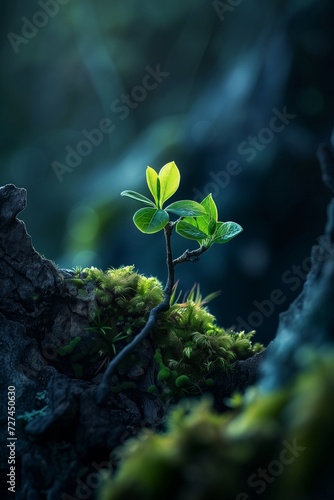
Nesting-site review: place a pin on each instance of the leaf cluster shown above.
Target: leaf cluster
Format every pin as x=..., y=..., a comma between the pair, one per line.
x=206, y=229
x=162, y=186
x=197, y=221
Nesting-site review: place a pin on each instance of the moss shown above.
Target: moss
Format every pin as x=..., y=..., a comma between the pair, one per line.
x=191, y=344
x=124, y=299
x=152, y=389
x=77, y=282
x=83, y=294
x=69, y=348
x=188, y=341
x=209, y=382
x=163, y=374
x=182, y=381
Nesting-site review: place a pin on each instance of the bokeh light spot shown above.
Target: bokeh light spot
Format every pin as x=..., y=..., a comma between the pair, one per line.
x=86, y=258
x=83, y=224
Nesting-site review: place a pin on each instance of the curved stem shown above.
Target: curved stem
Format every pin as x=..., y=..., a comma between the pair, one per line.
x=103, y=388
x=170, y=263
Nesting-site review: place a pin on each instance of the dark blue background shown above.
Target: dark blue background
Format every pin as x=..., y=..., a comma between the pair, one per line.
x=227, y=71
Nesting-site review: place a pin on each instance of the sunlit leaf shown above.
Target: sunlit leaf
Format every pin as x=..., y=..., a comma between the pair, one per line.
x=153, y=183
x=226, y=231
x=137, y=196
x=210, y=207
x=212, y=227
x=203, y=224
x=207, y=223
x=186, y=208
x=189, y=231
x=169, y=177
x=150, y=220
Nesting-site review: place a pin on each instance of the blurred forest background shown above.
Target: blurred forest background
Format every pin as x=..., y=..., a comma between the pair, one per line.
x=225, y=66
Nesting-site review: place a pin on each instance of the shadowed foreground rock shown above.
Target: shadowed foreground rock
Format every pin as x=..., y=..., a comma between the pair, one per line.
x=63, y=435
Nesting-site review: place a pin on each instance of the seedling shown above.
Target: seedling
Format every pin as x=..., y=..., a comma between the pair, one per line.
x=196, y=221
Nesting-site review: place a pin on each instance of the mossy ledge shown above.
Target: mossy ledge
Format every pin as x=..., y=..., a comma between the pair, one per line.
x=188, y=344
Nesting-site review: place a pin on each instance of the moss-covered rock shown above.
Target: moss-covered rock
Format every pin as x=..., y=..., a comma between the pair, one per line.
x=188, y=343
x=122, y=302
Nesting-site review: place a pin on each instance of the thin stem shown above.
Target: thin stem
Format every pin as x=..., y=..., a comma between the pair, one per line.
x=170, y=263
x=103, y=388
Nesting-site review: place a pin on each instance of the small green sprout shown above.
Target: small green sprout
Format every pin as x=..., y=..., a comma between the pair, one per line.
x=196, y=221
x=206, y=229
x=162, y=186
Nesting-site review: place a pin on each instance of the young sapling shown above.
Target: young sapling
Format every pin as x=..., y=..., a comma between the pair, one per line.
x=196, y=221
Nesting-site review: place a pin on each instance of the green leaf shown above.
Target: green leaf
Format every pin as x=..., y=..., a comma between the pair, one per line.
x=190, y=231
x=210, y=207
x=226, y=231
x=203, y=224
x=169, y=177
x=150, y=220
x=208, y=222
x=137, y=196
x=186, y=208
x=153, y=183
x=212, y=227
